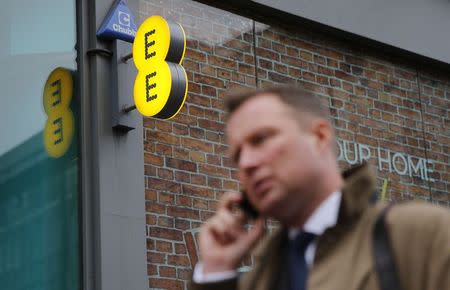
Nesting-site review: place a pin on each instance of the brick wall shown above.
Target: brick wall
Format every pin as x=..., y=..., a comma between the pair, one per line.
x=374, y=100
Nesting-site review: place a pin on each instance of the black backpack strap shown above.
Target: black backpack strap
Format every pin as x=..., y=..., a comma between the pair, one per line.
x=383, y=255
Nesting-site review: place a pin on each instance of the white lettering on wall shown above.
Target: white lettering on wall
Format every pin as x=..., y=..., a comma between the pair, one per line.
x=400, y=163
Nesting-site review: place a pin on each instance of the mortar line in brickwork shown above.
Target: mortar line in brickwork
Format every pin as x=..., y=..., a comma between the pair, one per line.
x=423, y=128
x=254, y=53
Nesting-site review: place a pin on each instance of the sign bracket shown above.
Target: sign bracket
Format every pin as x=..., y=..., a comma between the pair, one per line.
x=123, y=75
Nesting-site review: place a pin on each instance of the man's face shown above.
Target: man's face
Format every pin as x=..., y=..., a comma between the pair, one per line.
x=276, y=158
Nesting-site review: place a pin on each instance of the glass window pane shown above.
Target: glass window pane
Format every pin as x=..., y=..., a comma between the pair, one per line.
x=191, y=160
x=39, y=234
x=373, y=102
x=435, y=108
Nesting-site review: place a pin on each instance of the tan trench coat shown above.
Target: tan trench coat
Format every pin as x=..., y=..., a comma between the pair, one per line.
x=420, y=237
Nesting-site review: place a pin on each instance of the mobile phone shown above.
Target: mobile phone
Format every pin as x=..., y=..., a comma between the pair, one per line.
x=247, y=207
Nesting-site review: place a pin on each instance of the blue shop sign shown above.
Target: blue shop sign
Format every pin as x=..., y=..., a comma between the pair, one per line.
x=118, y=24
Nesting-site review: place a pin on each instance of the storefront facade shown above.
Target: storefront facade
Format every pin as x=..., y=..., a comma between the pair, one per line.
x=87, y=207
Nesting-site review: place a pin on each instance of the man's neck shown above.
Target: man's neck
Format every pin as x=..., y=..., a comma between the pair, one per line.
x=334, y=183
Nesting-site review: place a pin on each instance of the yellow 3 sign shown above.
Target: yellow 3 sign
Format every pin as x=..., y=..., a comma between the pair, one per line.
x=161, y=84
x=59, y=128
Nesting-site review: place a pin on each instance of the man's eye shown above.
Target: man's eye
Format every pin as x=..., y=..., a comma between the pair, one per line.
x=258, y=139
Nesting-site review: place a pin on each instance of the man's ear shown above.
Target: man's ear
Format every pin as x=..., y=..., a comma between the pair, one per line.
x=323, y=131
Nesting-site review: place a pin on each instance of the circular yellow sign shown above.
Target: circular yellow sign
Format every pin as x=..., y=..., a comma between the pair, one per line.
x=152, y=41
x=59, y=128
x=160, y=87
x=158, y=39
x=58, y=133
x=152, y=88
x=58, y=90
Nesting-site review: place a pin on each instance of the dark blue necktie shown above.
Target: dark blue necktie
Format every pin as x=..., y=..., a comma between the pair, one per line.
x=298, y=269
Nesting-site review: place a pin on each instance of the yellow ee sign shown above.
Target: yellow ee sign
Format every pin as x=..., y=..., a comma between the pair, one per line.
x=160, y=88
x=59, y=128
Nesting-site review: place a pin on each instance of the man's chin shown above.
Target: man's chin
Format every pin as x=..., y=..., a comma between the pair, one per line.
x=270, y=207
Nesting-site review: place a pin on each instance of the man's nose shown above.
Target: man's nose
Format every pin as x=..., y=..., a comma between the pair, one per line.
x=248, y=160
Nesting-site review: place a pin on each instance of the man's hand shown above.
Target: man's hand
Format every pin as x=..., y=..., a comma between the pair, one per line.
x=224, y=240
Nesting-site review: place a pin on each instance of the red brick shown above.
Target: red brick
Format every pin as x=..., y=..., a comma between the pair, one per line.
x=164, y=233
x=149, y=170
x=409, y=113
x=163, y=137
x=164, y=126
x=331, y=53
x=154, y=207
x=211, y=125
x=214, y=170
x=183, y=212
x=185, y=119
x=163, y=246
x=150, y=195
x=209, y=91
x=204, y=79
x=152, y=270
x=160, y=184
x=168, y=272
x=332, y=63
x=166, y=198
x=165, y=173
x=309, y=76
x=150, y=244
x=178, y=260
x=230, y=185
x=150, y=219
x=197, y=133
x=221, y=62
x=180, y=249
x=182, y=176
x=198, y=179
x=182, y=224
x=223, y=74
x=181, y=164
x=197, y=191
x=214, y=182
x=295, y=73
x=213, y=136
x=345, y=67
x=180, y=153
x=156, y=258
x=195, y=55
x=385, y=107
x=153, y=159
x=180, y=130
x=345, y=76
x=200, y=100
x=166, y=222
x=298, y=63
x=200, y=203
x=208, y=69
x=198, y=145
x=163, y=149
x=196, y=111
x=166, y=284
x=190, y=65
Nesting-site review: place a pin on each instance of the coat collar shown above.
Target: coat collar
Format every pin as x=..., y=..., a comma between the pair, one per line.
x=358, y=189
x=357, y=192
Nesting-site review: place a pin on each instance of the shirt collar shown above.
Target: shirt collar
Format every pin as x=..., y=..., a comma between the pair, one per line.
x=325, y=216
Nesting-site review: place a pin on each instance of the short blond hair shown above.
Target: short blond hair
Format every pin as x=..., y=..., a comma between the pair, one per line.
x=301, y=101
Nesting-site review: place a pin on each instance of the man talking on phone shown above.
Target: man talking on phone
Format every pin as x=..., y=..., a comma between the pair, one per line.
x=283, y=144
